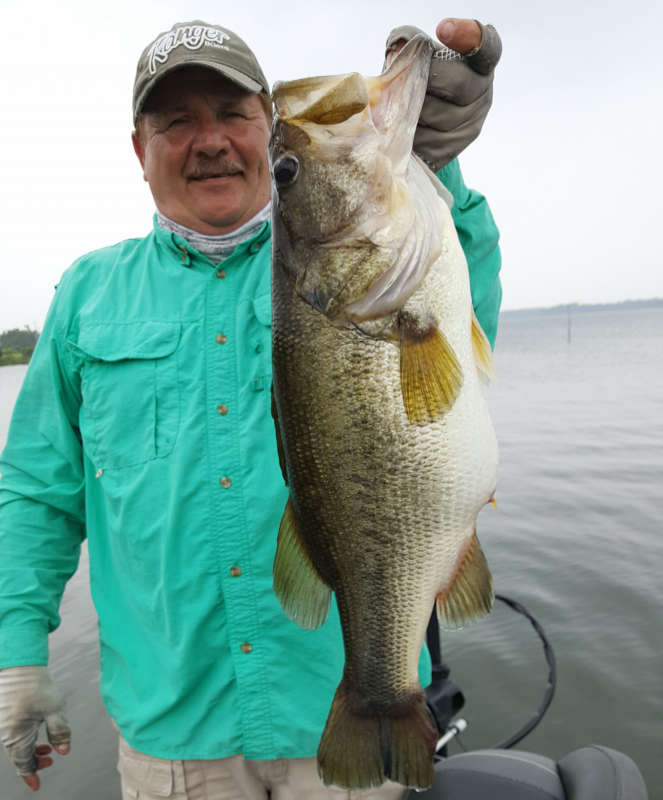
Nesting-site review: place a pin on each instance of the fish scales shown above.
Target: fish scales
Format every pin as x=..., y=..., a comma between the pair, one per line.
x=383, y=508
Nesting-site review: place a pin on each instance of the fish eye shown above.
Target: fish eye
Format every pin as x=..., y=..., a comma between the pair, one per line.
x=286, y=170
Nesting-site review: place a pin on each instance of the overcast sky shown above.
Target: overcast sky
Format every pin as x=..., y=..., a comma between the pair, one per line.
x=569, y=159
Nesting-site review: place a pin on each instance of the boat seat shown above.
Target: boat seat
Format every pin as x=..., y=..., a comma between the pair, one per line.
x=590, y=773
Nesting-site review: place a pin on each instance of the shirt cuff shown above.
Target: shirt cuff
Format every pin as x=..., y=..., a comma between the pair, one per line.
x=23, y=646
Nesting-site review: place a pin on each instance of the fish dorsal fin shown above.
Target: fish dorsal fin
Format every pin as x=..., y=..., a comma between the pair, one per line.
x=304, y=596
x=483, y=355
x=396, y=98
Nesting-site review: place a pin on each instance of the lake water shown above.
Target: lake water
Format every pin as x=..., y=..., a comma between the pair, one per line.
x=577, y=538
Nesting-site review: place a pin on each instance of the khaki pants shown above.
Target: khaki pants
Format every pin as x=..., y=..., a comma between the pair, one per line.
x=148, y=778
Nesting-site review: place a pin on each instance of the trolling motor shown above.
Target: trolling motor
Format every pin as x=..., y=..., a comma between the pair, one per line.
x=445, y=699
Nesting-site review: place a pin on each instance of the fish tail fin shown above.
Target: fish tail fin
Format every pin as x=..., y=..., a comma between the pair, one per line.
x=362, y=747
x=470, y=592
x=431, y=375
x=304, y=596
x=483, y=355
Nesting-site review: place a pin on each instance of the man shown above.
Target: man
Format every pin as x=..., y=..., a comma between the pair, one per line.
x=144, y=424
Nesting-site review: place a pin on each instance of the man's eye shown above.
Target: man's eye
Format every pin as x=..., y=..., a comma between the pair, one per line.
x=177, y=121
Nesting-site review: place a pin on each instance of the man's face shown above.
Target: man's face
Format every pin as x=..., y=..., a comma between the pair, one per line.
x=202, y=143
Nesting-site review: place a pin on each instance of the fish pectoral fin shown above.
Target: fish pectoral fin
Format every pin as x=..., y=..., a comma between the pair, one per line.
x=431, y=375
x=304, y=596
x=470, y=592
x=483, y=355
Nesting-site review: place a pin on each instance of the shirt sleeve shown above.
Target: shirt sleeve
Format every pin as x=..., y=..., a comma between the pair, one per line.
x=479, y=239
x=41, y=500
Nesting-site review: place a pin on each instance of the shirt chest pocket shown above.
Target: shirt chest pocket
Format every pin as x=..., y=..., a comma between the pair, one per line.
x=130, y=412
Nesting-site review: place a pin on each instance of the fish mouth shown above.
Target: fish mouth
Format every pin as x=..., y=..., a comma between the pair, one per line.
x=392, y=51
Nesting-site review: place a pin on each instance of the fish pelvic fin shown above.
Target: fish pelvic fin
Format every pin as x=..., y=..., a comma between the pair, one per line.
x=304, y=596
x=483, y=354
x=431, y=375
x=362, y=746
x=470, y=593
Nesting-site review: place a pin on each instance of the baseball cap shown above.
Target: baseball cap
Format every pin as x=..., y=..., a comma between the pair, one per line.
x=200, y=44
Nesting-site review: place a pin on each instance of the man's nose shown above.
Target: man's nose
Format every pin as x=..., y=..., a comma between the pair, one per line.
x=211, y=137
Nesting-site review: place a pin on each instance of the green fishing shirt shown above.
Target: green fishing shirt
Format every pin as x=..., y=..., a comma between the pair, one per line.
x=144, y=424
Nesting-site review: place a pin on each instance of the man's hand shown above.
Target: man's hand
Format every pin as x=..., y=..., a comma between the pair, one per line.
x=28, y=697
x=460, y=86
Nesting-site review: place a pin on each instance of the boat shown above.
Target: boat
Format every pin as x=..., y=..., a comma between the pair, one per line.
x=593, y=772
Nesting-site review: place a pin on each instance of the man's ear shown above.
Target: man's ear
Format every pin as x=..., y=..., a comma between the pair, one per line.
x=139, y=150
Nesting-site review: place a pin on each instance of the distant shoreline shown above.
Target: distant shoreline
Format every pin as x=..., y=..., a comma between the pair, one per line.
x=14, y=358
x=566, y=308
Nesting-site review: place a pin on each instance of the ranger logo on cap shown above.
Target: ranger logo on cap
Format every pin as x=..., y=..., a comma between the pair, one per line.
x=192, y=37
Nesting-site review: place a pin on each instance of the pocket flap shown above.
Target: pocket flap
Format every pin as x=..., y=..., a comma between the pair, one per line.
x=262, y=308
x=113, y=341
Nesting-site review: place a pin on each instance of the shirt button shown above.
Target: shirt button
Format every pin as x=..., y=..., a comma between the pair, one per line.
x=255, y=247
x=221, y=338
x=223, y=410
x=246, y=647
x=220, y=273
x=235, y=572
x=225, y=482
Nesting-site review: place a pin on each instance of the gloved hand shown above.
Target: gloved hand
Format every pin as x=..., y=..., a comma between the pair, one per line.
x=460, y=86
x=29, y=697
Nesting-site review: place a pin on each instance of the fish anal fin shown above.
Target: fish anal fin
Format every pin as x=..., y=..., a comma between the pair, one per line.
x=304, y=596
x=431, y=375
x=362, y=746
x=483, y=355
x=470, y=592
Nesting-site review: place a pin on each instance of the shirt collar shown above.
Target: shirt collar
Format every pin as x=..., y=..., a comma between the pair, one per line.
x=184, y=251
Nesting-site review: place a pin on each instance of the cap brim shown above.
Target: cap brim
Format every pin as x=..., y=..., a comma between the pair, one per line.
x=233, y=75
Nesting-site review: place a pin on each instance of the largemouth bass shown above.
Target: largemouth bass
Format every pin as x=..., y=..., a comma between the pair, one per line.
x=384, y=437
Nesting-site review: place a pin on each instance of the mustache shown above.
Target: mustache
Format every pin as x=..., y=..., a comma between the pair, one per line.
x=214, y=168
